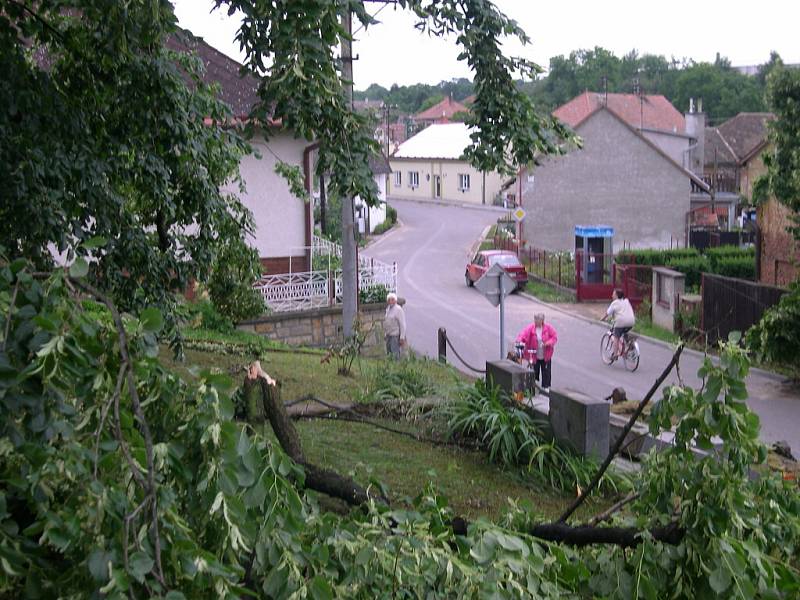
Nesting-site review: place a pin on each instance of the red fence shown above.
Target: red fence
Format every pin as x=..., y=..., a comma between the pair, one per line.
x=558, y=267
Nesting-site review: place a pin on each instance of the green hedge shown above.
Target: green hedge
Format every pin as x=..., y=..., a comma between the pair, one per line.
x=730, y=261
x=655, y=257
x=691, y=266
x=743, y=267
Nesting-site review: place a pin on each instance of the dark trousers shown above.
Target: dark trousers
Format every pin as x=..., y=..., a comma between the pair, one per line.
x=542, y=366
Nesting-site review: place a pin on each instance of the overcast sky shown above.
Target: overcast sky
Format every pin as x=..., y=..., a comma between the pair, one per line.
x=394, y=52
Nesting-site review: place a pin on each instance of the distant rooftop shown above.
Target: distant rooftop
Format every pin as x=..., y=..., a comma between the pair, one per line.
x=645, y=112
x=444, y=110
x=440, y=140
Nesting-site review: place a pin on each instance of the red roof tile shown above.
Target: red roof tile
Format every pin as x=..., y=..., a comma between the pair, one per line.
x=441, y=112
x=649, y=112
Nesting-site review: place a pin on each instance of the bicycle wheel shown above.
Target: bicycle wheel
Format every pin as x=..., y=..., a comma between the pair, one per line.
x=632, y=357
x=607, y=349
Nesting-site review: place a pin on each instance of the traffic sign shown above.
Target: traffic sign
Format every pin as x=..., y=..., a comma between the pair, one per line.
x=495, y=285
x=493, y=281
x=518, y=214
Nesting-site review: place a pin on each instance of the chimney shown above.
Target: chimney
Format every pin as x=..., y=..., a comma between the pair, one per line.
x=696, y=129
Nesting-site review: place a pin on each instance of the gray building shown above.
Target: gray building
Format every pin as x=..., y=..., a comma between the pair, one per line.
x=620, y=178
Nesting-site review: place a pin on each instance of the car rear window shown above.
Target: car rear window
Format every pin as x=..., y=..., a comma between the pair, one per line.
x=504, y=260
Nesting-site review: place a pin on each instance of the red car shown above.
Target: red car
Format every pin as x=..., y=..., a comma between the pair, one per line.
x=485, y=259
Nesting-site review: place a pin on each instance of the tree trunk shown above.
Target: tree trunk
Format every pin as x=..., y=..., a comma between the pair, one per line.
x=349, y=266
x=317, y=478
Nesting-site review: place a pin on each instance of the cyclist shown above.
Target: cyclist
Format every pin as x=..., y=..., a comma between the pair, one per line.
x=620, y=312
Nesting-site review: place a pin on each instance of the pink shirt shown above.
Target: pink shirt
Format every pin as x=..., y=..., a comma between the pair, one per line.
x=528, y=337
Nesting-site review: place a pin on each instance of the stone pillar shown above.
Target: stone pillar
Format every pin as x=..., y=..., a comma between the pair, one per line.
x=580, y=422
x=507, y=374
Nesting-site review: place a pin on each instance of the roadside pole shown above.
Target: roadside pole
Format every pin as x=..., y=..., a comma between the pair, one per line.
x=502, y=317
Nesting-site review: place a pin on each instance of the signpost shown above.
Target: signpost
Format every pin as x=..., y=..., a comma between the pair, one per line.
x=495, y=285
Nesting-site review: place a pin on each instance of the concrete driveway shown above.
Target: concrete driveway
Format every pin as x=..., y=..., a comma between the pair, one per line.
x=431, y=249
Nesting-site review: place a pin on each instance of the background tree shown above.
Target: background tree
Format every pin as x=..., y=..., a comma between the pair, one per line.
x=777, y=336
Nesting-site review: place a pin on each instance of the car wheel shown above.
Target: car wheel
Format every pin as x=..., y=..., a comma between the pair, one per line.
x=467, y=279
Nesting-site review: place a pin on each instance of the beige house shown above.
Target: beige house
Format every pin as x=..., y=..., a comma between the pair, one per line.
x=429, y=166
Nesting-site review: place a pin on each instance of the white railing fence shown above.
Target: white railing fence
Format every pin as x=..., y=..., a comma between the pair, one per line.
x=286, y=292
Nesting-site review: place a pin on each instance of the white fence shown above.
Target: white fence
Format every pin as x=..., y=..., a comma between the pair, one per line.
x=287, y=292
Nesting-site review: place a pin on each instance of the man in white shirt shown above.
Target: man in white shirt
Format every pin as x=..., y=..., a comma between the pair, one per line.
x=620, y=312
x=394, y=327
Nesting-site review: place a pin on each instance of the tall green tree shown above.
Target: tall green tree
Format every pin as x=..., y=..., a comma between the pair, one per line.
x=108, y=136
x=296, y=54
x=777, y=335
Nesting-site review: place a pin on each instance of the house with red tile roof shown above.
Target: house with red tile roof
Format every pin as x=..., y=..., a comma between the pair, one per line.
x=629, y=174
x=283, y=222
x=439, y=113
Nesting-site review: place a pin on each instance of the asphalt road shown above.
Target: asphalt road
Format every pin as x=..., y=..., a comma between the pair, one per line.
x=431, y=249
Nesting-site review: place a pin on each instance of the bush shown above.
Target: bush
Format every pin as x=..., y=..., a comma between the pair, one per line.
x=383, y=227
x=373, y=294
x=399, y=379
x=230, y=286
x=203, y=315
x=391, y=214
x=743, y=267
x=655, y=257
x=691, y=266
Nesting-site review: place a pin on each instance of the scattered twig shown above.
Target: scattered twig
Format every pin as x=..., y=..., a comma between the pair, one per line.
x=621, y=439
x=150, y=484
x=613, y=509
x=10, y=310
x=104, y=414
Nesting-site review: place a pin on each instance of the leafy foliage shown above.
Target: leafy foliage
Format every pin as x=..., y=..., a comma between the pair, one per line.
x=108, y=135
x=402, y=379
x=776, y=337
x=783, y=161
x=512, y=439
x=230, y=286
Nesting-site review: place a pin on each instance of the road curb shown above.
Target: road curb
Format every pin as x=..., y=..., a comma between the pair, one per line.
x=696, y=353
x=398, y=225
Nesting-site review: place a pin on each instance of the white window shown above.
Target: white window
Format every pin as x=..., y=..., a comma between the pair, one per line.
x=398, y=178
x=413, y=179
x=463, y=182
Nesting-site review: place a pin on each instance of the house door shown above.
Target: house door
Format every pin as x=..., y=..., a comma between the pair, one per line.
x=437, y=186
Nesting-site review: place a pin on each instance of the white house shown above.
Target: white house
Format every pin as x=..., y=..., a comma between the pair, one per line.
x=283, y=222
x=429, y=166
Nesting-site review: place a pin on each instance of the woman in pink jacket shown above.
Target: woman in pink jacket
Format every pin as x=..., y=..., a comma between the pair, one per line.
x=540, y=339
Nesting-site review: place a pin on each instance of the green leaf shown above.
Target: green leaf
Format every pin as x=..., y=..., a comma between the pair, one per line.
x=321, y=589
x=720, y=579
x=364, y=555
x=79, y=269
x=98, y=565
x=95, y=242
x=140, y=564
x=151, y=320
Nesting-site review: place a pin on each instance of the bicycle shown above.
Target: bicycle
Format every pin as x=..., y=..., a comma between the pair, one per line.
x=530, y=382
x=630, y=349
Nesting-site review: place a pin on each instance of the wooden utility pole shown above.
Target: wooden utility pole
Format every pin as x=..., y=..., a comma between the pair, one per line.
x=349, y=266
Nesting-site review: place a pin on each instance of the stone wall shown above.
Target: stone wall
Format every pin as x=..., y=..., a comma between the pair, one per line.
x=317, y=328
x=668, y=287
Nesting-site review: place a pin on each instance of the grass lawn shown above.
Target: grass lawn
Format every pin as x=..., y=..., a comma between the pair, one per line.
x=547, y=293
x=474, y=487
x=646, y=327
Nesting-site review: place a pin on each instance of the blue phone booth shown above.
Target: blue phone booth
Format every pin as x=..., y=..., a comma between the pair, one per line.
x=595, y=245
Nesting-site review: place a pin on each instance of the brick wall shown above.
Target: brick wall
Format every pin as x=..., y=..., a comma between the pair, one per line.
x=317, y=328
x=780, y=253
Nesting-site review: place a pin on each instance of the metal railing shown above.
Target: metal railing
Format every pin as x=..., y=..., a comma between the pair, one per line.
x=286, y=292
